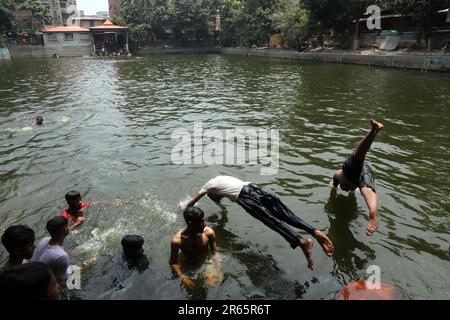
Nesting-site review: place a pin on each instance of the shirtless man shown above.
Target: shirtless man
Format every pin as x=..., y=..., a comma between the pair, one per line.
x=356, y=173
x=196, y=242
x=267, y=208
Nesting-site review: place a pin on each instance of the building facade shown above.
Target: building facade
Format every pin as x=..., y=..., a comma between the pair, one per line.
x=68, y=41
x=114, y=7
x=60, y=11
x=68, y=8
x=87, y=21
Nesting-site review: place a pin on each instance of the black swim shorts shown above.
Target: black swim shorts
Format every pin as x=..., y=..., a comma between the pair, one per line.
x=359, y=173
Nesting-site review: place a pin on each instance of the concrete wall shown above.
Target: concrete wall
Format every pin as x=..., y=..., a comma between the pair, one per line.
x=152, y=51
x=393, y=60
x=59, y=39
x=31, y=51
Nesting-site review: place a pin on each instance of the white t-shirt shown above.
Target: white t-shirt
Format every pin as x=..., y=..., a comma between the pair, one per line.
x=224, y=186
x=53, y=256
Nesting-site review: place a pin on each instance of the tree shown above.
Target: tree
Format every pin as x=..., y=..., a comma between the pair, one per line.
x=188, y=19
x=249, y=20
x=38, y=12
x=6, y=15
x=292, y=20
x=135, y=15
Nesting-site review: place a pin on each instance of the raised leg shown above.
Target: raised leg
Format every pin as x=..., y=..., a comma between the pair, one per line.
x=366, y=142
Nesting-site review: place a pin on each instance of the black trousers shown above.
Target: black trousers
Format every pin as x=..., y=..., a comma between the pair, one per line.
x=269, y=209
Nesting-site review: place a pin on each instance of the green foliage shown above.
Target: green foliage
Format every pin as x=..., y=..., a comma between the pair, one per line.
x=292, y=21
x=251, y=22
x=38, y=10
x=6, y=15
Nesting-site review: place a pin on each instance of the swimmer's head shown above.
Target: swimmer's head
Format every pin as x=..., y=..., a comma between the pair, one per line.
x=73, y=199
x=58, y=227
x=133, y=247
x=194, y=218
x=39, y=120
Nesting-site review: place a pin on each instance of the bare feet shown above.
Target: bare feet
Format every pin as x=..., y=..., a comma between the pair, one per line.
x=372, y=227
x=376, y=126
x=307, y=245
x=325, y=242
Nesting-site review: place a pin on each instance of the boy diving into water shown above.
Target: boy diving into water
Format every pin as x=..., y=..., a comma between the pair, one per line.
x=267, y=208
x=356, y=173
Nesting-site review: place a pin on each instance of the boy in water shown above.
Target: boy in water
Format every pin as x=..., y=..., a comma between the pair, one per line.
x=267, y=208
x=38, y=122
x=75, y=212
x=133, y=252
x=19, y=242
x=196, y=242
x=50, y=249
x=356, y=173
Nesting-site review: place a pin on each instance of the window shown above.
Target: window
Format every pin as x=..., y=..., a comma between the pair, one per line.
x=52, y=36
x=68, y=36
x=92, y=23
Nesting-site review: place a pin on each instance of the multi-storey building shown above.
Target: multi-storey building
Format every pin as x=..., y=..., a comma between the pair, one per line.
x=60, y=11
x=114, y=7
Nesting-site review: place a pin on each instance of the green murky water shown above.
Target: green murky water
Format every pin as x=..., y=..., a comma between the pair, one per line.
x=108, y=134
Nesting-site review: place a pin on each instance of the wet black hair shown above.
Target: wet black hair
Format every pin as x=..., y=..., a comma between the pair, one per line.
x=56, y=225
x=132, y=242
x=193, y=214
x=16, y=237
x=72, y=195
x=39, y=118
x=28, y=281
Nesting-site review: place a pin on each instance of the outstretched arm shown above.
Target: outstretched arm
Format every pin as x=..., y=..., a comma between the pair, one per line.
x=174, y=264
x=116, y=202
x=195, y=199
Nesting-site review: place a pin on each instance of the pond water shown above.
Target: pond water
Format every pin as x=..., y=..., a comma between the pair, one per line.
x=107, y=133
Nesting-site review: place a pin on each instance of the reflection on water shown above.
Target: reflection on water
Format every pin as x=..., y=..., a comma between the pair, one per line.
x=107, y=133
x=351, y=257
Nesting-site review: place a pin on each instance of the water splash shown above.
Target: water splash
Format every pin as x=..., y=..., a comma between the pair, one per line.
x=184, y=203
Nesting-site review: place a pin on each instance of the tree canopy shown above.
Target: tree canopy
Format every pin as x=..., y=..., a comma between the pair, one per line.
x=253, y=21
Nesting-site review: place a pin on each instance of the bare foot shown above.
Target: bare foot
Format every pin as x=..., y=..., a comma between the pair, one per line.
x=307, y=245
x=325, y=242
x=376, y=126
x=372, y=227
